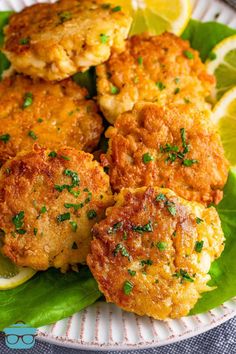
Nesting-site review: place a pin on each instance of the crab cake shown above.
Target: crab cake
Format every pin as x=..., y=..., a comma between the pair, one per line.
x=152, y=68
x=49, y=201
x=152, y=253
x=51, y=114
x=54, y=41
x=176, y=147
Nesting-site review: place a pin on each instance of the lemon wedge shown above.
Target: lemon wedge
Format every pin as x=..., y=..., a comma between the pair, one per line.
x=224, y=115
x=157, y=16
x=12, y=276
x=222, y=64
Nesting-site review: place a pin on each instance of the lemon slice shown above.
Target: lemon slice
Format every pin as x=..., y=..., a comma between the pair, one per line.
x=224, y=115
x=157, y=16
x=223, y=65
x=12, y=276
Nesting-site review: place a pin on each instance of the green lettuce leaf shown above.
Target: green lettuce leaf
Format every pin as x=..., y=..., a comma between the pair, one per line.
x=223, y=270
x=203, y=36
x=48, y=297
x=4, y=63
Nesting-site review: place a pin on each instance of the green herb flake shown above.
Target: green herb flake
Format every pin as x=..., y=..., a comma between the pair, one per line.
x=116, y=9
x=161, y=246
x=40, y=120
x=35, y=231
x=106, y=6
x=74, y=226
x=114, y=90
x=198, y=246
x=18, y=219
x=199, y=220
x=189, y=162
x=21, y=231
x=74, y=246
x=160, y=85
x=91, y=214
x=147, y=158
x=145, y=228
x=160, y=197
x=121, y=248
x=75, y=206
x=52, y=154
x=32, y=135
x=5, y=138
x=187, y=100
x=147, y=262
x=65, y=16
x=177, y=80
x=127, y=287
x=65, y=157
x=115, y=228
x=140, y=60
x=183, y=275
x=24, y=41
x=103, y=38
x=63, y=217
x=125, y=236
x=132, y=272
x=171, y=208
x=188, y=54
x=177, y=90
x=27, y=100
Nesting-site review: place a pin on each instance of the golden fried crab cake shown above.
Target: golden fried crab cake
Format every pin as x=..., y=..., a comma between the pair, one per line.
x=49, y=201
x=152, y=68
x=176, y=147
x=54, y=41
x=152, y=253
x=51, y=114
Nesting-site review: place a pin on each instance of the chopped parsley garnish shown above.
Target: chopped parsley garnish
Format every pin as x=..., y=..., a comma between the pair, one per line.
x=103, y=38
x=106, y=6
x=43, y=210
x=5, y=138
x=147, y=158
x=145, y=228
x=120, y=248
x=116, y=9
x=189, y=162
x=128, y=287
x=160, y=197
x=198, y=246
x=65, y=16
x=174, y=233
x=125, y=236
x=140, y=60
x=186, y=100
x=212, y=56
x=75, y=206
x=91, y=214
x=40, y=120
x=24, y=41
x=160, y=85
x=115, y=228
x=63, y=217
x=199, y=220
x=65, y=157
x=132, y=272
x=177, y=80
x=74, y=246
x=32, y=135
x=188, y=54
x=161, y=246
x=21, y=231
x=35, y=231
x=147, y=262
x=171, y=207
x=28, y=100
x=114, y=90
x=75, y=182
x=183, y=275
x=52, y=154
x=177, y=90
x=18, y=219
x=74, y=226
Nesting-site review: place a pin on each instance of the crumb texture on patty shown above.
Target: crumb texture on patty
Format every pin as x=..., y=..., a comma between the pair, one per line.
x=51, y=114
x=152, y=253
x=174, y=146
x=49, y=202
x=160, y=69
x=54, y=41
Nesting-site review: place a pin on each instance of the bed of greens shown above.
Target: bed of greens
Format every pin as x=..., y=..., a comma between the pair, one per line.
x=50, y=296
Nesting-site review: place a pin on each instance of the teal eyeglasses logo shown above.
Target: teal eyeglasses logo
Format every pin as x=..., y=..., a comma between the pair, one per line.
x=20, y=336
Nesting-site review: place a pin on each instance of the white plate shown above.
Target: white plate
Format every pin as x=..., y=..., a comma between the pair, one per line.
x=106, y=327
